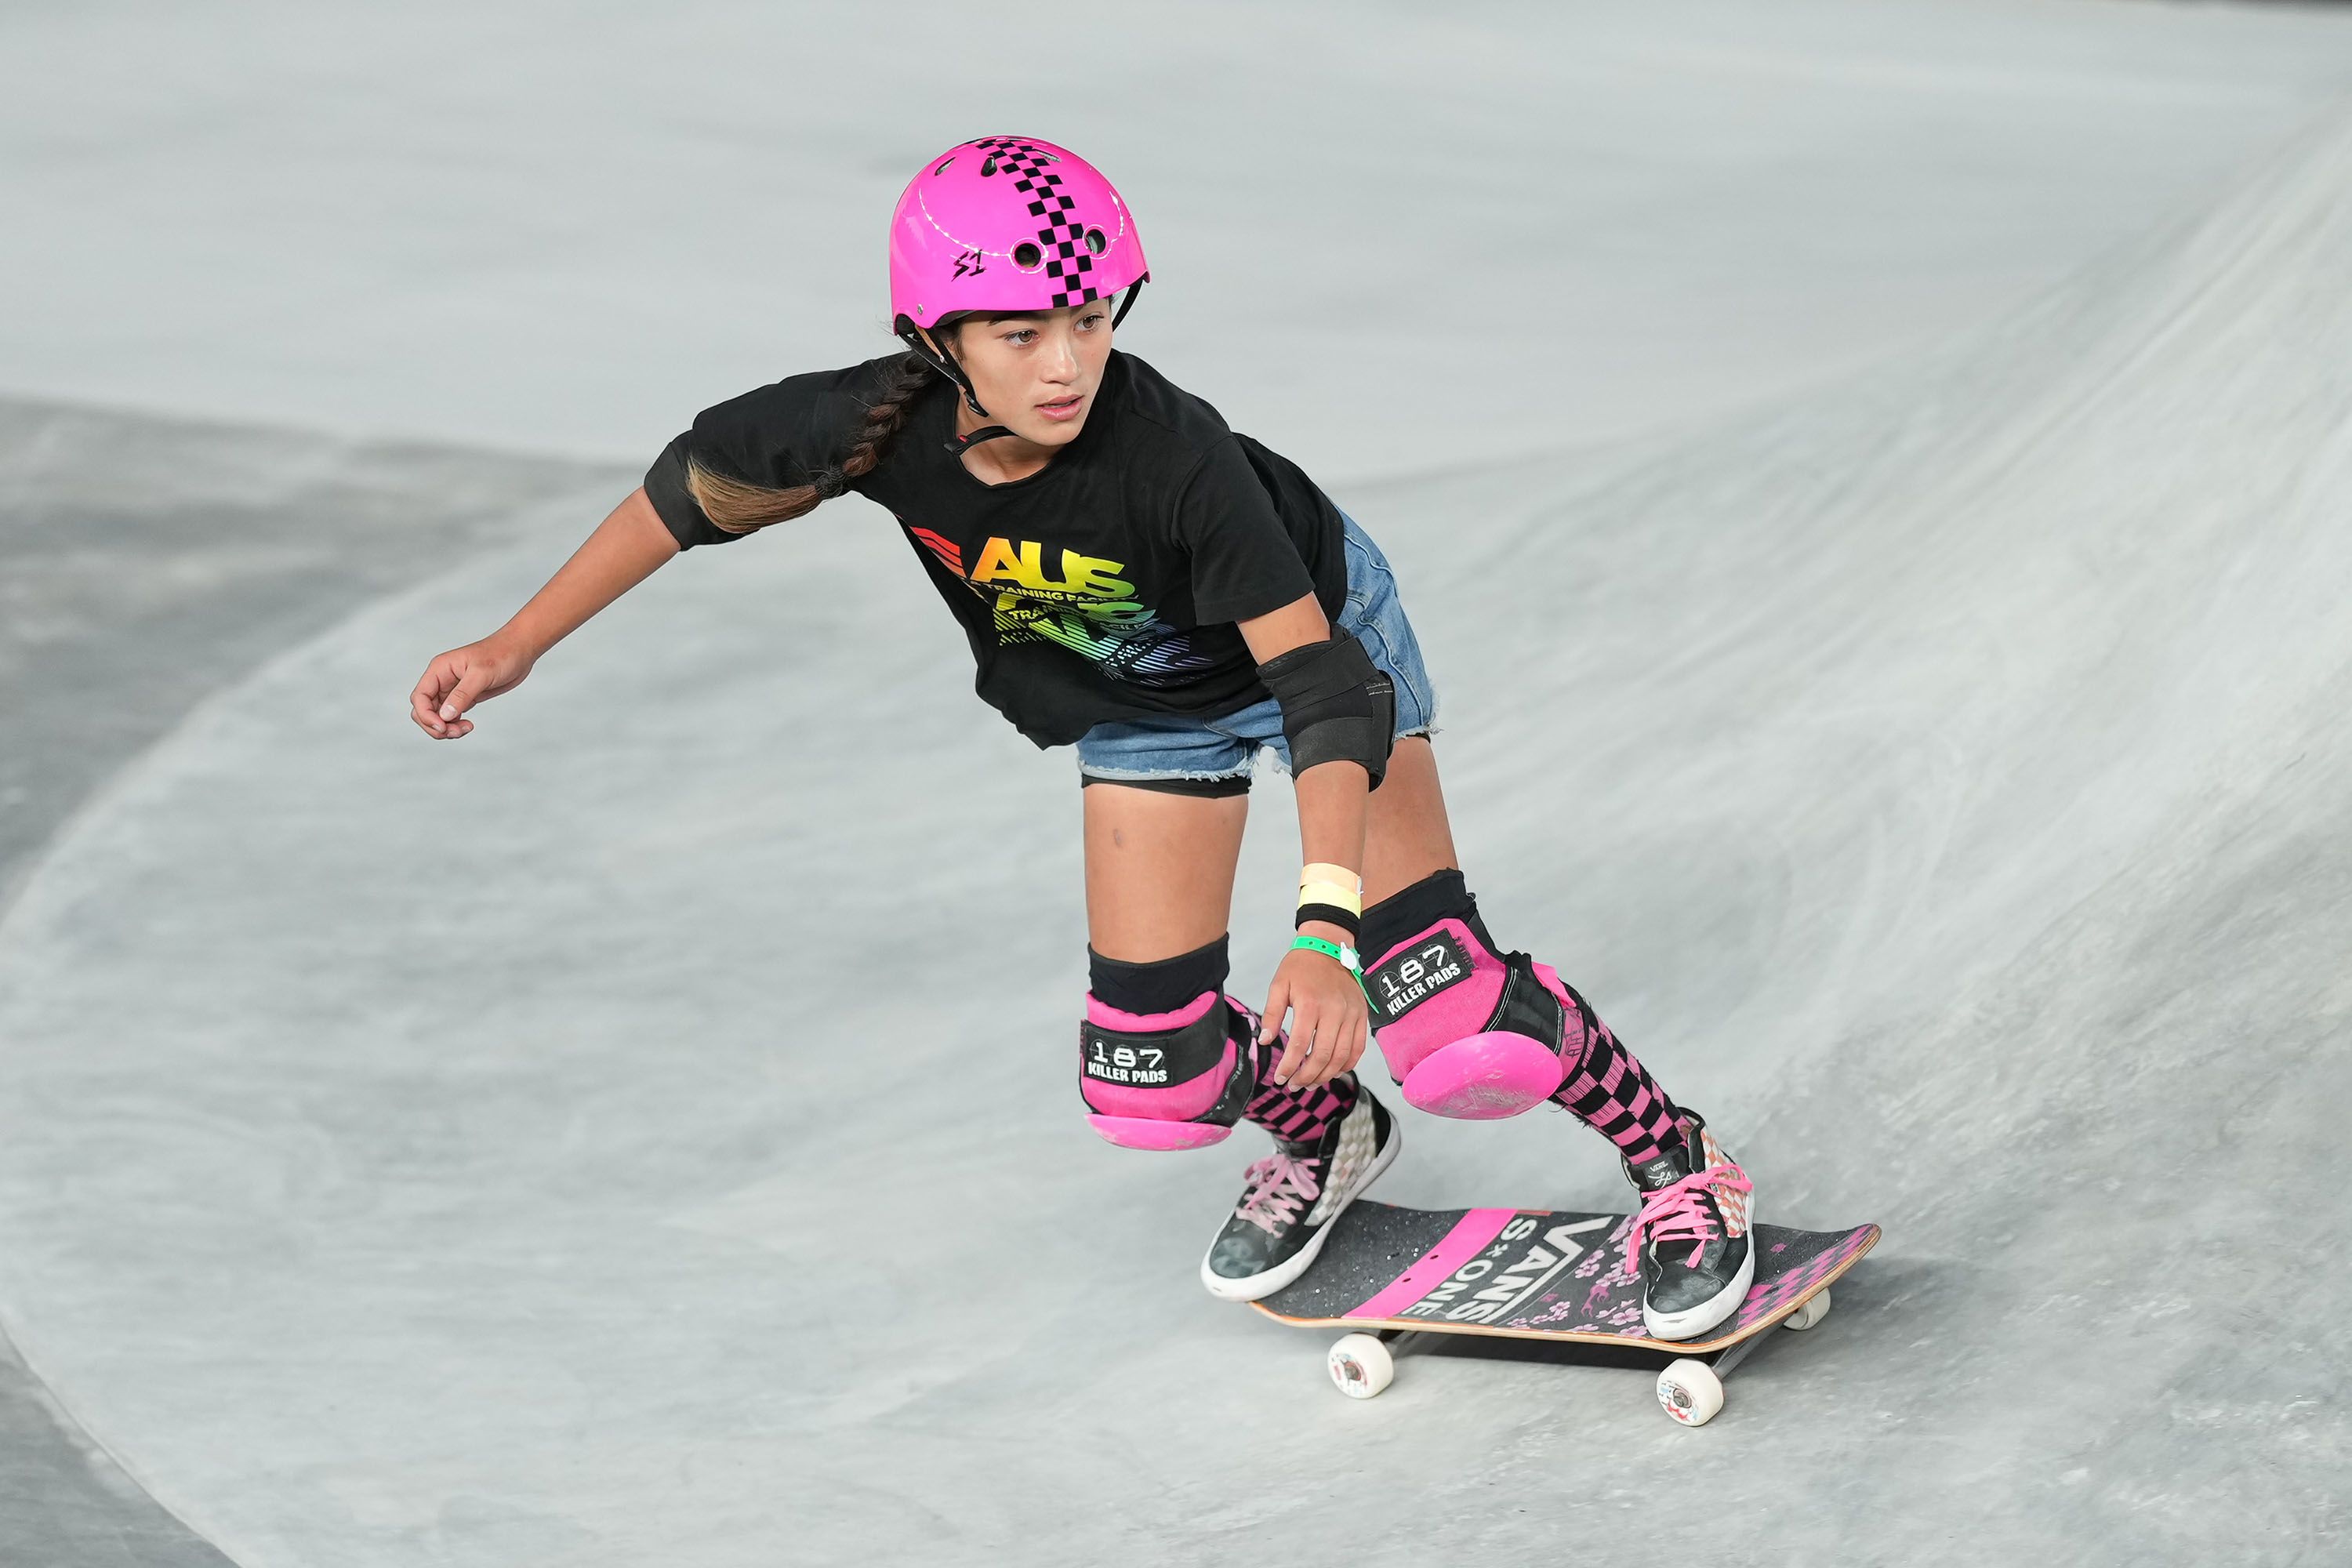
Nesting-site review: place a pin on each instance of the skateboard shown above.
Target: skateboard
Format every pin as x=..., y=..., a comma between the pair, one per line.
x=1387, y=1273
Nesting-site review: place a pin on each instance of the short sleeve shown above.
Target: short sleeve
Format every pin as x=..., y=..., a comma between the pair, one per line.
x=779, y=436
x=1244, y=561
x=674, y=501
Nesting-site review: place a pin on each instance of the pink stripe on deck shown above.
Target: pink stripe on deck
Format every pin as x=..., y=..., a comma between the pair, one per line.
x=1468, y=1238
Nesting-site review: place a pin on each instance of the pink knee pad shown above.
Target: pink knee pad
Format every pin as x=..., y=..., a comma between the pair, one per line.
x=1469, y=1035
x=1167, y=1081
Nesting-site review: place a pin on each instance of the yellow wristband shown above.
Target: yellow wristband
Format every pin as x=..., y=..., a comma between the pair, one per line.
x=1324, y=871
x=1332, y=893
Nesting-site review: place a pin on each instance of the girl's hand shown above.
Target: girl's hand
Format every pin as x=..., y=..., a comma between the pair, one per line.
x=458, y=679
x=1330, y=1021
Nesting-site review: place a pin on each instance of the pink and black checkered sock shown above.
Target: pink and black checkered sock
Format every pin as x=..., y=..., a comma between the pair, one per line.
x=1301, y=1115
x=1611, y=1091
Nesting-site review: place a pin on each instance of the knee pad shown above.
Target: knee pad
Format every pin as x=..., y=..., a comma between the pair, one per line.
x=1470, y=1035
x=1168, y=1080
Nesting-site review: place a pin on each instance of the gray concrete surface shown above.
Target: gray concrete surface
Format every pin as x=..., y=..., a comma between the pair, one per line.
x=473, y=1153
x=144, y=565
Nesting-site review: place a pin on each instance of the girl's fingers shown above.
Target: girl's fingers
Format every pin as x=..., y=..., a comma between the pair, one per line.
x=1328, y=1034
x=1277, y=998
x=1351, y=1051
x=1338, y=1046
x=464, y=694
x=427, y=698
x=1293, y=1049
x=450, y=686
x=1302, y=1045
x=1313, y=1025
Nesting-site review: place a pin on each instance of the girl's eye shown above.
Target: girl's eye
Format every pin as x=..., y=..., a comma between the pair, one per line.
x=1020, y=335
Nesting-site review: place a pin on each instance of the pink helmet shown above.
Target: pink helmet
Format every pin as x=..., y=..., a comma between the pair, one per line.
x=1007, y=222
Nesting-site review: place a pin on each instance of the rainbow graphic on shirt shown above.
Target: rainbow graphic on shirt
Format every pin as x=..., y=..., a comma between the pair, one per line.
x=1080, y=602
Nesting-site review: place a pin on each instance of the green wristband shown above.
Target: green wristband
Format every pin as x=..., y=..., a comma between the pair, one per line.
x=1346, y=955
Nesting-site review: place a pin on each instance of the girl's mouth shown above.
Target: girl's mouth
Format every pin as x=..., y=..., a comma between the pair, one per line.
x=1063, y=409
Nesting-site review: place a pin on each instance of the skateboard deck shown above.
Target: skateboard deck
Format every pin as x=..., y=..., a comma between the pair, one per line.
x=1538, y=1274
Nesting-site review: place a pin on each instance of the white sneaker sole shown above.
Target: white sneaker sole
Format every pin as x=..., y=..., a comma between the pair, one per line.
x=1256, y=1287
x=1693, y=1322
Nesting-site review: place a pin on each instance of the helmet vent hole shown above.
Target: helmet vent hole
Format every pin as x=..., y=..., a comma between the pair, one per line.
x=988, y=164
x=943, y=165
x=1027, y=256
x=1095, y=242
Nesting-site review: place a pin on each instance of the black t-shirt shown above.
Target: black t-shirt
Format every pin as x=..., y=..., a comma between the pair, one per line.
x=1105, y=585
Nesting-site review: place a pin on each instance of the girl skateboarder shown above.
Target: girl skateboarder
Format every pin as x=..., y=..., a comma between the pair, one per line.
x=1141, y=582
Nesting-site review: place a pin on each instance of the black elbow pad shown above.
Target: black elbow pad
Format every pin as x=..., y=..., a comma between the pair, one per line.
x=1337, y=705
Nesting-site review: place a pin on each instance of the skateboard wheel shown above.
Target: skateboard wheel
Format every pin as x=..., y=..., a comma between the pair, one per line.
x=1690, y=1392
x=1360, y=1365
x=1811, y=1312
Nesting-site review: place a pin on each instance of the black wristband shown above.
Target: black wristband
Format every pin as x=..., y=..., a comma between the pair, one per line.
x=1331, y=914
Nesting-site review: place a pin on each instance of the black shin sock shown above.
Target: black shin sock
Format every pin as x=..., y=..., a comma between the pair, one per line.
x=1162, y=986
x=1404, y=915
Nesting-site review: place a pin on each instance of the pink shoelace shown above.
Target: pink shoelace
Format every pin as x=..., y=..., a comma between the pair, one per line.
x=1677, y=1213
x=1273, y=1190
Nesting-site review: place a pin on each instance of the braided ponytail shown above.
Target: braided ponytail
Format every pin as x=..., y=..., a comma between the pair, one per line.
x=739, y=508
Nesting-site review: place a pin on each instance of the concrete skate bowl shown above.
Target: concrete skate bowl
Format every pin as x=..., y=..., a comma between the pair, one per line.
x=639, y=1134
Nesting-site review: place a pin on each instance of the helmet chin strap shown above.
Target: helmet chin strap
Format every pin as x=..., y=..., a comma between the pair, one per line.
x=1129, y=303
x=940, y=360
x=958, y=446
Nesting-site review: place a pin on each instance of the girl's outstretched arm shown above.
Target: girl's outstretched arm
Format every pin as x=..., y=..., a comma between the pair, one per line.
x=622, y=553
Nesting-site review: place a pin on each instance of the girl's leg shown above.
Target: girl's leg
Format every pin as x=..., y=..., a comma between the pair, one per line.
x=1160, y=888
x=1169, y=1061
x=1440, y=990
x=1472, y=1031
x=1406, y=837
x=1159, y=870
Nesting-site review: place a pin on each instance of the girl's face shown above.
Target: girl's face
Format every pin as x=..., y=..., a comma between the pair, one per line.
x=1036, y=374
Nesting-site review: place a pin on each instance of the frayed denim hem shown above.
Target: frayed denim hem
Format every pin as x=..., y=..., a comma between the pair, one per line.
x=1152, y=775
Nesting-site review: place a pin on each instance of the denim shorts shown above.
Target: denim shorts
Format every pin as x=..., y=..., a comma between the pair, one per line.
x=1224, y=750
